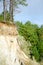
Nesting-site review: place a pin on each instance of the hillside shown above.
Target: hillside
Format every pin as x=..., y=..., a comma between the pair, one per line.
x=10, y=51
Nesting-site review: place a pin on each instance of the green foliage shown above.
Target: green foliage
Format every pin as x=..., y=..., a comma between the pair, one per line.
x=35, y=53
x=8, y=16
x=41, y=48
x=1, y=17
x=34, y=34
x=20, y=2
x=40, y=44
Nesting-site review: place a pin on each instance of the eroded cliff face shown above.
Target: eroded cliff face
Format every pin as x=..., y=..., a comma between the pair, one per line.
x=10, y=51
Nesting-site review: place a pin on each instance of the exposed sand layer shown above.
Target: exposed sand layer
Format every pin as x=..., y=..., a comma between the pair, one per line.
x=8, y=29
x=10, y=52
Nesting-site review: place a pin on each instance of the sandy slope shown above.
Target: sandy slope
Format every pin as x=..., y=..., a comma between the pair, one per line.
x=10, y=52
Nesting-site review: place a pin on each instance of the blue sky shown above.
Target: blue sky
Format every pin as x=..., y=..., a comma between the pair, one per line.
x=33, y=12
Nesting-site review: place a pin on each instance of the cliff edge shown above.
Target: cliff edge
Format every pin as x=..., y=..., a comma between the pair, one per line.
x=10, y=51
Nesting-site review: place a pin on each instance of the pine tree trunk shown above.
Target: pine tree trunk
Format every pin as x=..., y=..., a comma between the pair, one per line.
x=11, y=10
x=4, y=9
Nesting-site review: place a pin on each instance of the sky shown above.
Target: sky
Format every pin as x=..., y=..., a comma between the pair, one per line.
x=33, y=12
